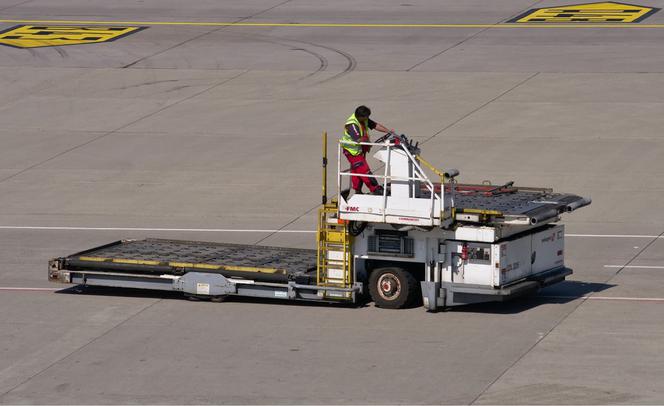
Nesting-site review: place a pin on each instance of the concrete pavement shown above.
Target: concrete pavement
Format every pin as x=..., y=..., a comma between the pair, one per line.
x=203, y=127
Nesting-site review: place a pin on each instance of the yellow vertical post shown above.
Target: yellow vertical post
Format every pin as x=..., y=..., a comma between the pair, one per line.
x=324, y=167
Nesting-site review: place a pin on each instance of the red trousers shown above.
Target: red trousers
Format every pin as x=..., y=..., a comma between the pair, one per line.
x=359, y=165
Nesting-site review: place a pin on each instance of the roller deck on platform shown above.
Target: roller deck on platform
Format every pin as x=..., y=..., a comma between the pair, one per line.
x=512, y=204
x=174, y=257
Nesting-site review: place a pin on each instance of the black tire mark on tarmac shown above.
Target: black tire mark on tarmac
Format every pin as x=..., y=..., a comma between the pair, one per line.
x=351, y=65
x=321, y=58
x=61, y=52
x=323, y=62
x=351, y=62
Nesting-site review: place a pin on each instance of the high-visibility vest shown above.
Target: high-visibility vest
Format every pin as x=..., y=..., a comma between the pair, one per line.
x=348, y=142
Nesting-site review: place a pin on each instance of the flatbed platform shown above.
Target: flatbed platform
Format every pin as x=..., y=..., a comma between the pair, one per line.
x=176, y=257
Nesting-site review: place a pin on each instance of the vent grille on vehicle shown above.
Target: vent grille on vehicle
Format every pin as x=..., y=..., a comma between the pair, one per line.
x=393, y=243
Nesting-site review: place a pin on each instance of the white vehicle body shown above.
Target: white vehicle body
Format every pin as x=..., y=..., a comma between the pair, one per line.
x=468, y=254
x=444, y=243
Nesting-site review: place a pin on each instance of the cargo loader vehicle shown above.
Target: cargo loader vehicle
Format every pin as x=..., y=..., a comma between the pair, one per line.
x=427, y=239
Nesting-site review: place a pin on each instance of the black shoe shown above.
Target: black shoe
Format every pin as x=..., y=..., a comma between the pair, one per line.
x=378, y=191
x=358, y=192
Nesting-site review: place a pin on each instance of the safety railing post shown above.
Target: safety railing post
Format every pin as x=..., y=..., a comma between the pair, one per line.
x=324, y=199
x=339, y=169
x=387, y=168
x=430, y=186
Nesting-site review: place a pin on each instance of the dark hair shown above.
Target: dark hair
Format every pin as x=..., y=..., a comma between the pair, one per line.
x=362, y=111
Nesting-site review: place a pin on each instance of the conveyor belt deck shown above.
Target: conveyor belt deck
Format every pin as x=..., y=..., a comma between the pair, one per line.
x=159, y=256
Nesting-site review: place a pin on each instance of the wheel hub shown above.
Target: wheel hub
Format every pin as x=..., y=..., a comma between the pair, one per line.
x=389, y=286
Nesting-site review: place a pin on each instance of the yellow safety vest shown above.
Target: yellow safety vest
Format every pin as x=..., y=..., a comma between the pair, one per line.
x=348, y=142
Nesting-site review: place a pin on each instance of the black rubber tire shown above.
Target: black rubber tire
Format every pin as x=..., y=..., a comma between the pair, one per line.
x=400, y=288
x=355, y=228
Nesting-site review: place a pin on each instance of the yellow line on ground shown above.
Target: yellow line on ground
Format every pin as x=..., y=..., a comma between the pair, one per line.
x=334, y=25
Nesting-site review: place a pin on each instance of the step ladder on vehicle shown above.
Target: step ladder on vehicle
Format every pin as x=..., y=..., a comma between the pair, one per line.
x=334, y=253
x=334, y=245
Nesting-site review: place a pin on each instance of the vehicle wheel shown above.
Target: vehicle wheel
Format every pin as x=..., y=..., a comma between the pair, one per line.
x=204, y=298
x=393, y=288
x=355, y=228
x=218, y=299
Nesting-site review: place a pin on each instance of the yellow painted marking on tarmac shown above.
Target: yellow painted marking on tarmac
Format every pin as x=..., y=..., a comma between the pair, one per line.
x=93, y=259
x=331, y=25
x=37, y=36
x=603, y=12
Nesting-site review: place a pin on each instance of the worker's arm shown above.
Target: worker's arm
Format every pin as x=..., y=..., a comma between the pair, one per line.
x=379, y=127
x=354, y=132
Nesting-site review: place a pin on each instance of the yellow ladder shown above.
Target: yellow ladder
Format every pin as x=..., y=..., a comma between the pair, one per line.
x=334, y=253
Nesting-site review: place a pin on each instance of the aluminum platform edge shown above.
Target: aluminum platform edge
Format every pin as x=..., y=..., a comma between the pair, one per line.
x=203, y=285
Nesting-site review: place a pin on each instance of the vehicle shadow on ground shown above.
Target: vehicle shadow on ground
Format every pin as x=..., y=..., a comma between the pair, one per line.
x=119, y=292
x=158, y=294
x=560, y=293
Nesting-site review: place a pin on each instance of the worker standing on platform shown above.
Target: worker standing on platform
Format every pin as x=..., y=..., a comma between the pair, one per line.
x=357, y=130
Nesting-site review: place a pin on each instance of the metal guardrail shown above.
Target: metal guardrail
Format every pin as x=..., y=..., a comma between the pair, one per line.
x=386, y=177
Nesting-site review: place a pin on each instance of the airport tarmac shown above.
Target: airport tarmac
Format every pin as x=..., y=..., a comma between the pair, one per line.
x=191, y=128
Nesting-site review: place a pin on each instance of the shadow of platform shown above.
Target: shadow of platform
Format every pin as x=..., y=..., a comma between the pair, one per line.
x=161, y=294
x=560, y=293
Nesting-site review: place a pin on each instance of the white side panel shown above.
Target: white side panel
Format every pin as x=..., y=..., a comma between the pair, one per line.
x=478, y=265
x=410, y=207
x=471, y=233
x=378, y=218
x=548, y=249
x=400, y=167
x=398, y=209
x=514, y=259
x=356, y=204
x=476, y=269
x=496, y=264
